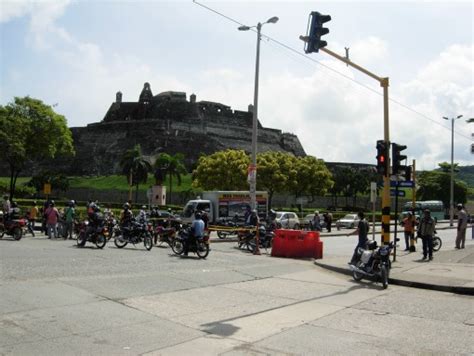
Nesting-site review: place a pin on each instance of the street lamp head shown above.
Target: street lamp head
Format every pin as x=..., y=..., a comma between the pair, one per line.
x=274, y=19
x=459, y=116
x=444, y=117
x=244, y=28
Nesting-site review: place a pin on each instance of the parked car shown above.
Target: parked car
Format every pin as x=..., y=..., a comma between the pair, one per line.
x=287, y=220
x=349, y=221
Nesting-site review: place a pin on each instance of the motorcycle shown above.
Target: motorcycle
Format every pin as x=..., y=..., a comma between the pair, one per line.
x=14, y=228
x=96, y=235
x=163, y=234
x=373, y=262
x=136, y=233
x=437, y=243
x=227, y=224
x=265, y=238
x=199, y=245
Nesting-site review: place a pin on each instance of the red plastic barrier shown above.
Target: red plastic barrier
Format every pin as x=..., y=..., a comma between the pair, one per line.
x=297, y=244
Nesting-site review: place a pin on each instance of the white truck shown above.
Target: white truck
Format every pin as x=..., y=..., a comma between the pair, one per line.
x=224, y=204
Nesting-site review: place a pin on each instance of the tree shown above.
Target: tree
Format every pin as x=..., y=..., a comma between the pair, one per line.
x=223, y=170
x=31, y=132
x=57, y=181
x=136, y=168
x=446, y=167
x=435, y=185
x=171, y=166
x=270, y=173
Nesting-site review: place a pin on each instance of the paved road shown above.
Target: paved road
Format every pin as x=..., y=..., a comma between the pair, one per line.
x=56, y=299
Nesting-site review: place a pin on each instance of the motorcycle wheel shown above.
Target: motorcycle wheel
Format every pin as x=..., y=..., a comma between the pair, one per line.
x=17, y=233
x=177, y=246
x=221, y=234
x=202, y=249
x=148, y=242
x=120, y=243
x=101, y=240
x=384, y=276
x=356, y=275
x=81, y=239
x=437, y=243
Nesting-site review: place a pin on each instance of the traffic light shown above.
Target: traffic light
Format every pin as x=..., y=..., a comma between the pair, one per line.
x=397, y=158
x=316, y=30
x=407, y=173
x=382, y=157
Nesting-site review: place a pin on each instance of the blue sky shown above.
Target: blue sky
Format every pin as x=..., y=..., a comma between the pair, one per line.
x=78, y=54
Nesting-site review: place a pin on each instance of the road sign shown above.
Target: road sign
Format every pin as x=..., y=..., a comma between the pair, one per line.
x=47, y=188
x=401, y=193
x=402, y=184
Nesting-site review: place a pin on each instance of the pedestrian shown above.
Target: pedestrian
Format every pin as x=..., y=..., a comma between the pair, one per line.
x=329, y=221
x=409, y=228
x=32, y=216
x=362, y=231
x=52, y=216
x=70, y=215
x=316, y=221
x=426, y=231
x=462, y=226
x=6, y=206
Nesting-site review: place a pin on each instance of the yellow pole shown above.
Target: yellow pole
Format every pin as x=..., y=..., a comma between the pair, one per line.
x=386, y=179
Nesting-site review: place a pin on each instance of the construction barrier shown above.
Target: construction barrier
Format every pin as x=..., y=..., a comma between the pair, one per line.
x=297, y=244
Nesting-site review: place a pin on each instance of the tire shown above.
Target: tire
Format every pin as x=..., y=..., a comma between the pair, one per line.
x=356, y=275
x=221, y=234
x=384, y=276
x=177, y=246
x=296, y=227
x=17, y=233
x=81, y=239
x=352, y=226
x=202, y=249
x=148, y=242
x=119, y=243
x=437, y=243
x=101, y=241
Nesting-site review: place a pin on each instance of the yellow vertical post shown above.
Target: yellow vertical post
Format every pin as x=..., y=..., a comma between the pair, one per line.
x=386, y=179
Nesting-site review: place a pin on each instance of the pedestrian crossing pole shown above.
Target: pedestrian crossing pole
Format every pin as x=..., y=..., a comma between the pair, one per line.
x=413, y=205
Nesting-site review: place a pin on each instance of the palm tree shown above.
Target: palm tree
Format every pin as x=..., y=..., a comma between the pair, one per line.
x=171, y=166
x=135, y=167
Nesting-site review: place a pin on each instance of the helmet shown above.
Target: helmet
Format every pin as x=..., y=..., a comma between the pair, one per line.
x=197, y=215
x=71, y=203
x=126, y=206
x=51, y=203
x=143, y=207
x=459, y=206
x=14, y=204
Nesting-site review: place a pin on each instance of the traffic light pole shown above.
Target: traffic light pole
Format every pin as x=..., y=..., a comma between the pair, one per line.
x=386, y=136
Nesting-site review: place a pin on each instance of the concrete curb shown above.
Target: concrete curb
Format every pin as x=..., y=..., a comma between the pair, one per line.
x=405, y=283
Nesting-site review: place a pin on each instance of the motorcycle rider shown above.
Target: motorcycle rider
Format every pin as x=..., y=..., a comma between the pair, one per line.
x=197, y=231
x=94, y=218
x=6, y=206
x=141, y=217
x=126, y=217
x=426, y=231
x=362, y=231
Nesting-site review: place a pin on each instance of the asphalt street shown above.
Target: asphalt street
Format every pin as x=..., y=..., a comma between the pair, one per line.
x=57, y=299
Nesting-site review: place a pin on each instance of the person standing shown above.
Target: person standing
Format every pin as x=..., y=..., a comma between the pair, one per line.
x=316, y=221
x=6, y=206
x=329, y=221
x=462, y=226
x=32, y=216
x=426, y=231
x=362, y=231
x=70, y=215
x=409, y=229
x=52, y=215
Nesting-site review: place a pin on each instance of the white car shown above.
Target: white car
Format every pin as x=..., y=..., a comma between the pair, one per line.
x=349, y=221
x=287, y=220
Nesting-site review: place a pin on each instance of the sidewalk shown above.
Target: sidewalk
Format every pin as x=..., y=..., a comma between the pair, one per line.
x=450, y=270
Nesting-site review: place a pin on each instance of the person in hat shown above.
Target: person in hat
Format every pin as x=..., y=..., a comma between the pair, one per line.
x=426, y=232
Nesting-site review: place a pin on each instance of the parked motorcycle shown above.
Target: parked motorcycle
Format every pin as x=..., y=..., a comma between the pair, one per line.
x=13, y=228
x=437, y=243
x=96, y=235
x=265, y=238
x=373, y=262
x=135, y=234
x=200, y=245
x=232, y=224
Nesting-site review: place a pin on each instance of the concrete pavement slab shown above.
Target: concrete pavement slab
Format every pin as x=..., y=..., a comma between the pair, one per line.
x=446, y=337
x=207, y=345
x=30, y=295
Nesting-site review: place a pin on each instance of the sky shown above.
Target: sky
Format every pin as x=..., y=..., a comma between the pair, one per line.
x=76, y=55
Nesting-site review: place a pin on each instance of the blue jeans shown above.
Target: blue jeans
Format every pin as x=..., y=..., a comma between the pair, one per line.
x=427, y=245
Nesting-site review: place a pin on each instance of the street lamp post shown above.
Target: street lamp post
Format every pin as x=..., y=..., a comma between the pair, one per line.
x=451, y=196
x=253, y=166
